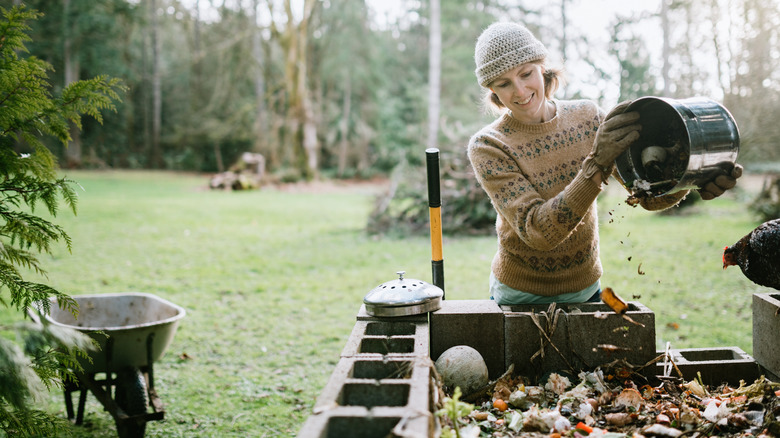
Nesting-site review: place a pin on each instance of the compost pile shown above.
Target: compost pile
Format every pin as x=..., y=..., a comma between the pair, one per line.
x=607, y=403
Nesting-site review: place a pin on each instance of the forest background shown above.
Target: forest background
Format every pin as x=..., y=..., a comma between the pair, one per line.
x=352, y=88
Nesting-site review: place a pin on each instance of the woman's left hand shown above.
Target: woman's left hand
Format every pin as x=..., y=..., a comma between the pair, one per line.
x=720, y=184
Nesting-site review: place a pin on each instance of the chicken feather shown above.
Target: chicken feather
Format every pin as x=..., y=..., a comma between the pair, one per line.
x=758, y=254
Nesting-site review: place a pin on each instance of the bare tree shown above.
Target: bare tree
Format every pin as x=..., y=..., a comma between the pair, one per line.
x=301, y=122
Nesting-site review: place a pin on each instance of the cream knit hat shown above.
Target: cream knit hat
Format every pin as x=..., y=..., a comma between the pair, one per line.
x=503, y=46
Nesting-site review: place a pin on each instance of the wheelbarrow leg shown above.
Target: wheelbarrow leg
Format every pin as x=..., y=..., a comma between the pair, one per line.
x=67, y=392
x=78, y=416
x=82, y=404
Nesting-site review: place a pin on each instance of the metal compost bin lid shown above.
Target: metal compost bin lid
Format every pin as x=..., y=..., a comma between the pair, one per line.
x=403, y=297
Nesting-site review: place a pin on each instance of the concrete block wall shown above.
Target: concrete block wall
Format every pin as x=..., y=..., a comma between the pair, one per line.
x=714, y=365
x=581, y=336
x=382, y=383
x=766, y=332
x=476, y=323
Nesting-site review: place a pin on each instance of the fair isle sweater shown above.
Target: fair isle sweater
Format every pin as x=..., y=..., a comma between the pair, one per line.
x=547, y=223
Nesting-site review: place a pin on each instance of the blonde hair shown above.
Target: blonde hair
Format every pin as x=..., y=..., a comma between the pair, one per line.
x=553, y=79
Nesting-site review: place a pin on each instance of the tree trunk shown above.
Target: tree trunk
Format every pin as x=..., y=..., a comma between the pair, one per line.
x=261, y=128
x=346, y=109
x=666, y=49
x=155, y=159
x=434, y=74
x=301, y=119
x=71, y=67
x=723, y=79
x=564, y=37
x=308, y=121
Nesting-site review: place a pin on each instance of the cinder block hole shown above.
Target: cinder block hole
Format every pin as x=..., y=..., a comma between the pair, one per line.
x=370, y=395
x=386, y=345
x=581, y=307
x=710, y=354
x=360, y=427
x=390, y=329
x=371, y=369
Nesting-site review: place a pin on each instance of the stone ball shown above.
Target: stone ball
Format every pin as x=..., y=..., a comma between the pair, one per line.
x=462, y=366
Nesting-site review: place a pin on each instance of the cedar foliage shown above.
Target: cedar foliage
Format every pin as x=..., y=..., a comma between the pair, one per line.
x=44, y=355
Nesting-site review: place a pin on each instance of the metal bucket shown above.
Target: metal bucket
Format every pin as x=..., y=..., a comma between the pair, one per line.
x=683, y=145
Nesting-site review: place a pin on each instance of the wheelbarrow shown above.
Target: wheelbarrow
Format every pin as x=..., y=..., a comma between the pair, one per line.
x=133, y=331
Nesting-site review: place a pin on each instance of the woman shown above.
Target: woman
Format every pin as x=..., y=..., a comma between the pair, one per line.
x=543, y=162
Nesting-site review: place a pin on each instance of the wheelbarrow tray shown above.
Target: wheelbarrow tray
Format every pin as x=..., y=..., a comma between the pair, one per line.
x=133, y=329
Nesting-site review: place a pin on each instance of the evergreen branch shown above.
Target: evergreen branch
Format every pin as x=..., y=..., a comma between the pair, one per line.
x=56, y=350
x=14, y=28
x=24, y=95
x=27, y=231
x=25, y=294
x=89, y=96
x=17, y=373
x=19, y=257
x=29, y=422
x=29, y=190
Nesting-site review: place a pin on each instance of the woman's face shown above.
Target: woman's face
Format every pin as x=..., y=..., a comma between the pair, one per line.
x=522, y=91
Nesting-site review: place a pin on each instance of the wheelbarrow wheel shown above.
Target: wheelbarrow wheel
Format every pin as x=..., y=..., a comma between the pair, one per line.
x=132, y=397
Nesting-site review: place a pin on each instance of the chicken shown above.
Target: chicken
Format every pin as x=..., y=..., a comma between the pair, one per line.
x=758, y=254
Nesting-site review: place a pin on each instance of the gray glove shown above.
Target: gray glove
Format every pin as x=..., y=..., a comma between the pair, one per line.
x=720, y=184
x=616, y=133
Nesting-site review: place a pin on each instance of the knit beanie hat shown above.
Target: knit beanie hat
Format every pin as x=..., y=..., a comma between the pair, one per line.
x=503, y=46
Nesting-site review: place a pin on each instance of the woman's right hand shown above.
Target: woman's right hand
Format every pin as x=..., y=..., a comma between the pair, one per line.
x=618, y=131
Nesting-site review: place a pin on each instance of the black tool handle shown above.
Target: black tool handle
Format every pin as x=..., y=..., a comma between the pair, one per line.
x=434, y=204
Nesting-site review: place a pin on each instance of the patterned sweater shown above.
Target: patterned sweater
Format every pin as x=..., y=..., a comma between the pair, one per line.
x=547, y=223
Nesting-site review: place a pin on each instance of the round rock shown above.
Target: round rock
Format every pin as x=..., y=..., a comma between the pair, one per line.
x=462, y=366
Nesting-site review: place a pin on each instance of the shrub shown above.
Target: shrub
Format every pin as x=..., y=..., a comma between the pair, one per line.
x=767, y=203
x=403, y=210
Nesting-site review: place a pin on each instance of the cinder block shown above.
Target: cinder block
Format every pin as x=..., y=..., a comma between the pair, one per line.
x=476, y=323
x=372, y=382
x=716, y=365
x=358, y=422
x=766, y=331
x=581, y=336
x=388, y=337
x=369, y=397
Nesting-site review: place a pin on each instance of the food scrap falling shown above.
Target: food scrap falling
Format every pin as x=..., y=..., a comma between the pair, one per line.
x=611, y=299
x=610, y=404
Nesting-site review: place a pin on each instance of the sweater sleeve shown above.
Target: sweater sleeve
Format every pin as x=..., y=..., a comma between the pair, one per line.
x=540, y=223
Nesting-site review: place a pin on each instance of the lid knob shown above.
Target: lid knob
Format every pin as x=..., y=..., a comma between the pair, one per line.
x=401, y=274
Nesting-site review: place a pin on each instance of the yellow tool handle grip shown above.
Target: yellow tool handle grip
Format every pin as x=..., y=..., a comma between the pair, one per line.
x=436, y=234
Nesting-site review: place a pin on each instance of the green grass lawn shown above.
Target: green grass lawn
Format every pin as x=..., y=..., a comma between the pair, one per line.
x=272, y=281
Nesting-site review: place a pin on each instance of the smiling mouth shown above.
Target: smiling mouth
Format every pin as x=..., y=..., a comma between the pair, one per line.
x=525, y=102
